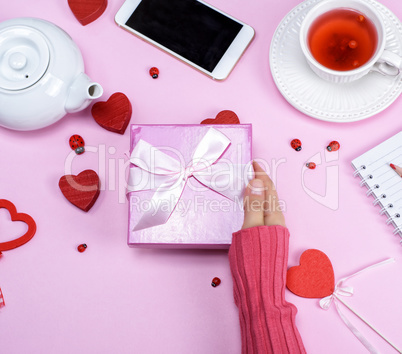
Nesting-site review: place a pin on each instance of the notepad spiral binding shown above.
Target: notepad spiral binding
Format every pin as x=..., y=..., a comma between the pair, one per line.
x=381, y=184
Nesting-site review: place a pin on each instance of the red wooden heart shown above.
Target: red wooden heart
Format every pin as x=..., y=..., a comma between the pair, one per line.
x=9, y=245
x=114, y=114
x=87, y=11
x=314, y=277
x=223, y=117
x=81, y=190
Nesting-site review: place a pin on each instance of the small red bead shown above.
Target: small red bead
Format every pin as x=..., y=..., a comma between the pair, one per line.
x=311, y=165
x=215, y=282
x=81, y=248
x=296, y=144
x=154, y=72
x=333, y=146
x=77, y=144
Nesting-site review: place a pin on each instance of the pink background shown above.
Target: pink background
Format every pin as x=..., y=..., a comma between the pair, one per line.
x=114, y=298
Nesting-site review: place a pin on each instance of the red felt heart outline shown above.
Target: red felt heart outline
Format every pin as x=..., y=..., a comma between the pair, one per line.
x=223, y=117
x=27, y=219
x=314, y=277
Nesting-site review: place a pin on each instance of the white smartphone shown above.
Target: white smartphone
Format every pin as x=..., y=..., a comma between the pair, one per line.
x=191, y=30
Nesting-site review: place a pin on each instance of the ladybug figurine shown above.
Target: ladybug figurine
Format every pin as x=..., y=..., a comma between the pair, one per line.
x=81, y=248
x=333, y=146
x=311, y=165
x=154, y=72
x=215, y=282
x=296, y=144
x=77, y=144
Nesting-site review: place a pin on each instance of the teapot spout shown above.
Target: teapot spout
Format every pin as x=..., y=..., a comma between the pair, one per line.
x=81, y=93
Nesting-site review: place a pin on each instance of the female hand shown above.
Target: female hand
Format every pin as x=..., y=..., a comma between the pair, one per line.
x=261, y=205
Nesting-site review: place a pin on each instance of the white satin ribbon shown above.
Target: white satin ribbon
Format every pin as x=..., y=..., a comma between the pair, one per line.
x=168, y=176
x=340, y=290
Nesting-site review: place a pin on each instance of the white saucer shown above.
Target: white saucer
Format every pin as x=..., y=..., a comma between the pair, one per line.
x=323, y=100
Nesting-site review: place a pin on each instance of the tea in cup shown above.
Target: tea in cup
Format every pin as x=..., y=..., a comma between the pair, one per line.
x=343, y=40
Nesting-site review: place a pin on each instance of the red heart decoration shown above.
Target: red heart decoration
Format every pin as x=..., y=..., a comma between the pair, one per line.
x=223, y=117
x=314, y=277
x=9, y=245
x=87, y=11
x=82, y=190
x=114, y=114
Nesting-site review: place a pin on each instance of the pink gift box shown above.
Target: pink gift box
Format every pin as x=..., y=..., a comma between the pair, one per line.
x=202, y=217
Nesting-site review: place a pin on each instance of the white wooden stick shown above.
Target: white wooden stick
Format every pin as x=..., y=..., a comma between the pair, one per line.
x=368, y=324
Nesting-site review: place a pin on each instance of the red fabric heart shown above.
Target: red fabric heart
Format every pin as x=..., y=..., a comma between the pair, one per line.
x=314, y=277
x=114, y=114
x=87, y=11
x=9, y=245
x=223, y=117
x=81, y=190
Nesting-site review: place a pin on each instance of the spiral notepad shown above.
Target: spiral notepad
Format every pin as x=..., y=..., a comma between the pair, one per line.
x=373, y=167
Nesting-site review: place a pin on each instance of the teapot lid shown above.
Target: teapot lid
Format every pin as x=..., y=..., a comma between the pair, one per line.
x=24, y=57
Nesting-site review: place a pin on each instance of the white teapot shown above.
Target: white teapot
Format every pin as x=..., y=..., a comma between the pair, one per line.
x=41, y=75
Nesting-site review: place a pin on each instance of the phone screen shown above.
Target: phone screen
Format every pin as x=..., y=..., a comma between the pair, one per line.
x=186, y=27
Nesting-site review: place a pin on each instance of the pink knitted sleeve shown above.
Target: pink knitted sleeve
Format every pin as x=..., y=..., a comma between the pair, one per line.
x=258, y=260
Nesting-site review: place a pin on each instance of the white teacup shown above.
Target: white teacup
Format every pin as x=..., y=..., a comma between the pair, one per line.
x=383, y=61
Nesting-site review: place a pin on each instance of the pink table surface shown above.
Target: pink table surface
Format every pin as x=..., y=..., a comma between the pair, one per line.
x=116, y=299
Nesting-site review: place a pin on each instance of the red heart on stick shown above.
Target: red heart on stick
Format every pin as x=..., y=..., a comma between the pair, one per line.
x=87, y=11
x=314, y=277
x=223, y=117
x=81, y=190
x=114, y=114
x=9, y=245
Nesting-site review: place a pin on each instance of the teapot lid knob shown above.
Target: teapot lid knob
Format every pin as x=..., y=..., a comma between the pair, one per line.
x=24, y=57
x=17, y=61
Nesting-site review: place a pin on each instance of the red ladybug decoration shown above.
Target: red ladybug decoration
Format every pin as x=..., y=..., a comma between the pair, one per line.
x=311, y=165
x=77, y=144
x=81, y=248
x=154, y=72
x=296, y=144
x=333, y=146
x=215, y=282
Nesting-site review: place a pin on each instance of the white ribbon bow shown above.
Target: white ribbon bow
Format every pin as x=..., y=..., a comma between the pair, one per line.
x=168, y=176
x=326, y=302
